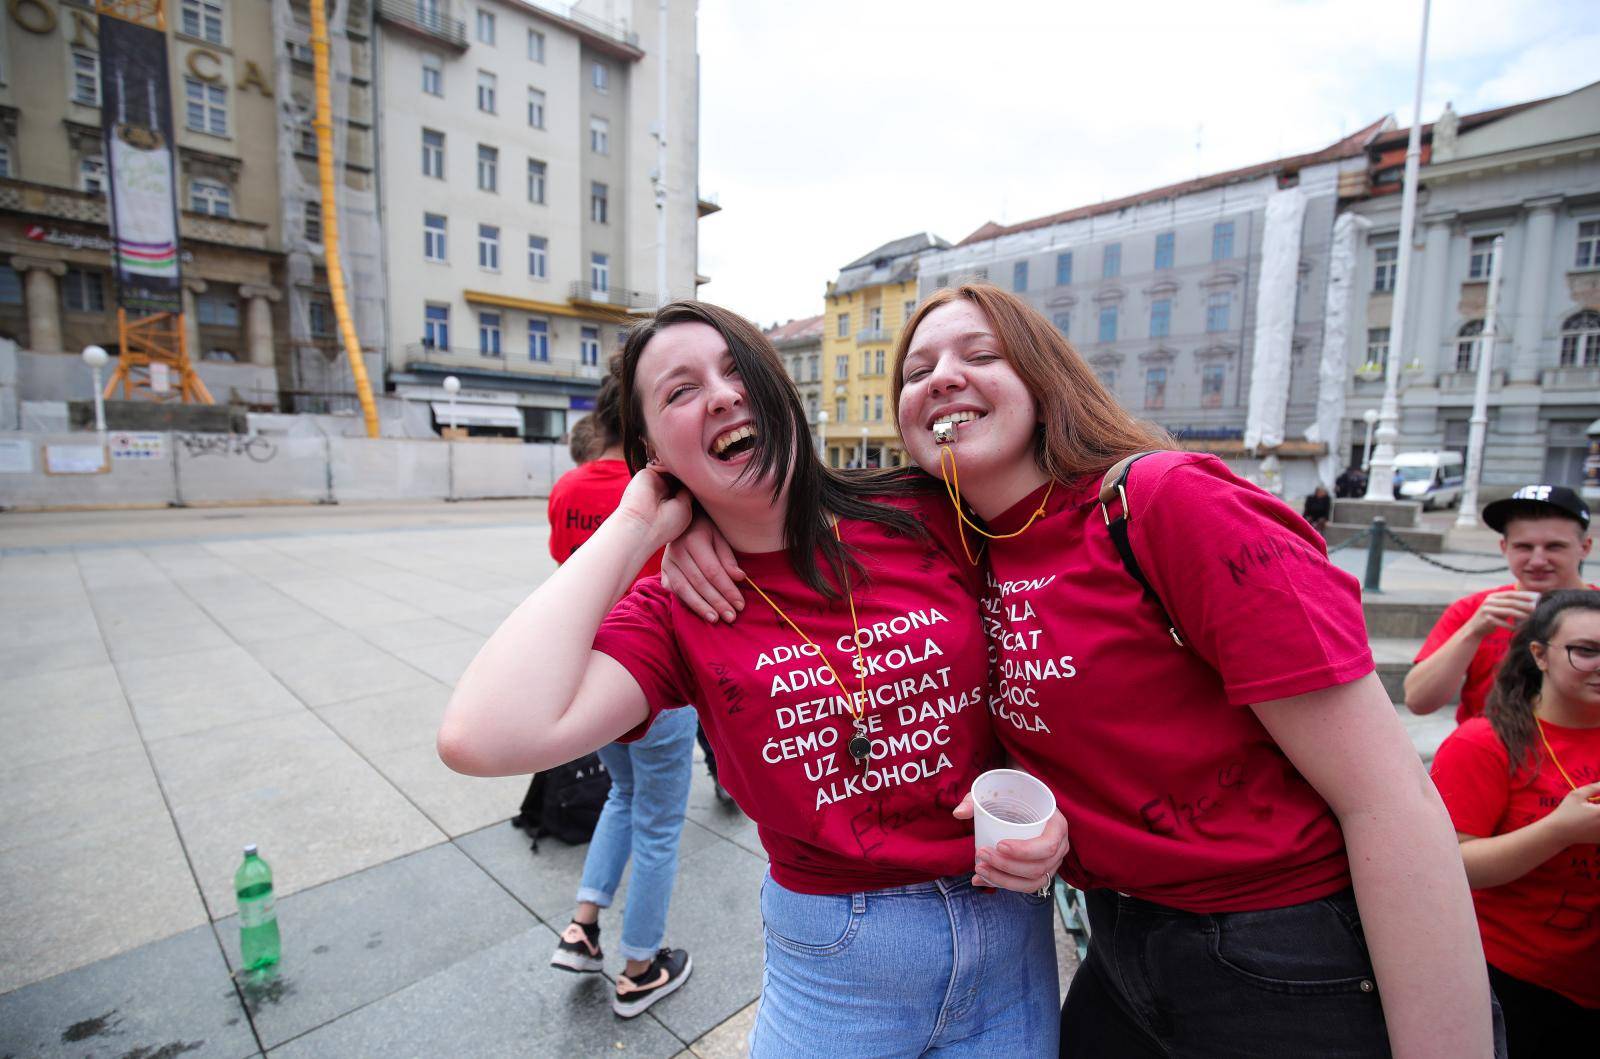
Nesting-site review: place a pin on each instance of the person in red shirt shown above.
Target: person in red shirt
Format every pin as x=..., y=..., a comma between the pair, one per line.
x=1522, y=785
x=585, y=496
x=847, y=707
x=1545, y=538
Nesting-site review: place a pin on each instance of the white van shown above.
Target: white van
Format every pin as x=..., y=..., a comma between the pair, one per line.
x=1434, y=478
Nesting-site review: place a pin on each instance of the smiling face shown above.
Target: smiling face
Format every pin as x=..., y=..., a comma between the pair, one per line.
x=1568, y=675
x=957, y=382
x=1544, y=554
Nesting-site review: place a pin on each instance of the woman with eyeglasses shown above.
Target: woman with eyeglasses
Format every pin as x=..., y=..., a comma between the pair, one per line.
x=1522, y=784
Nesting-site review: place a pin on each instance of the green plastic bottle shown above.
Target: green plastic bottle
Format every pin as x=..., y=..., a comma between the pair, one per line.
x=258, y=916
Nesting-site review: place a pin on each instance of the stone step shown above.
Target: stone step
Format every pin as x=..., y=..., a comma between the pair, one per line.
x=1400, y=514
x=1402, y=615
x=1393, y=655
x=1429, y=542
x=1428, y=732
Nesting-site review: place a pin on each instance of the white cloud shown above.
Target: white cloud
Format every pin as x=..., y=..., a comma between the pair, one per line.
x=832, y=126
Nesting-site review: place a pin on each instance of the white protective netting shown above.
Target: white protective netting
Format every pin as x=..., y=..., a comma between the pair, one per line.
x=1347, y=232
x=1274, y=338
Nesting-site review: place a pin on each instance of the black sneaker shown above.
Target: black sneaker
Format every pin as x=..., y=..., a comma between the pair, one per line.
x=579, y=948
x=664, y=975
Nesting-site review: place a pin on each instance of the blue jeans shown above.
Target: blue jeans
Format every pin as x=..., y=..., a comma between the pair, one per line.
x=643, y=818
x=937, y=968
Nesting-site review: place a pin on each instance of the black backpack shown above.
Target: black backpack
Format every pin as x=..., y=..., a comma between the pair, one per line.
x=565, y=801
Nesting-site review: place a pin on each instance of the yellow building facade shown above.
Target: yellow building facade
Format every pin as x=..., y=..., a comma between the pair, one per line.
x=866, y=307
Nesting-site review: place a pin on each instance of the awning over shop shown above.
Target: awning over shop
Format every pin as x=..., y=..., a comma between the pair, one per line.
x=473, y=414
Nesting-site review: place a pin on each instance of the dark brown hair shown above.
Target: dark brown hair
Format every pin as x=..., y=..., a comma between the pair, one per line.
x=1084, y=430
x=783, y=447
x=1519, y=680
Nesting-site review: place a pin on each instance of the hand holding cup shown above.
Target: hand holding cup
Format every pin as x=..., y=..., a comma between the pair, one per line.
x=1021, y=836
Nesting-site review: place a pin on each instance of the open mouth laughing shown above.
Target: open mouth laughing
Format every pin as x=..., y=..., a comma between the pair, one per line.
x=734, y=442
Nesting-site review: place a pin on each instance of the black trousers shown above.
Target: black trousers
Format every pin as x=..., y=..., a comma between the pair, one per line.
x=1543, y=1023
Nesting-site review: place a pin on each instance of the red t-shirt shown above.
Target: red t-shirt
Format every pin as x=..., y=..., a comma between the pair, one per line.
x=1174, y=791
x=1479, y=681
x=1543, y=928
x=580, y=500
x=780, y=729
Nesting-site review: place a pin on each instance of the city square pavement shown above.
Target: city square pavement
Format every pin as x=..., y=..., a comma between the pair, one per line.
x=175, y=684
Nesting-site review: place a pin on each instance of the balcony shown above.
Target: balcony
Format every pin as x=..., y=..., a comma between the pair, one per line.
x=1571, y=378
x=617, y=299
x=1467, y=381
x=504, y=363
x=425, y=20
x=872, y=334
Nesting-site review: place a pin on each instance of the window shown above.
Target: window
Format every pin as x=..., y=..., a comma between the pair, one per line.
x=489, y=247
x=910, y=310
x=311, y=219
x=488, y=334
x=83, y=291
x=1063, y=322
x=1155, y=388
x=1064, y=269
x=1467, y=345
x=877, y=407
x=1161, y=318
x=1481, y=261
x=432, y=75
x=536, y=171
x=538, y=256
x=1164, y=250
x=10, y=286
x=1580, y=340
x=433, y=154
x=600, y=76
x=203, y=19
x=600, y=273
x=85, y=77
x=433, y=237
x=1377, y=348
x=308, y=139
x=866, y=362
x=1588, y=255
x=597, y=202
x=866, y=408
x=877, y=362
x=844, y=326
x=535, y=108
x=5, y=159
x=535, y=46
x=436, y=326
x=485, y=26
x=488, y=168
x=1108, y=324
x=215, y=309
x=814, y=366
x=1222, y=240
x=1019, y=276
x=1108, y=378
x=92, y=175
x=599, y=136
x=487, y=83
x=205, y=106
x=321, y=314
x=1218, y=309
x=210, y=196
x=838, y=417
x=1111, y=263
x=538, y=339
x=1212, y=376
x=1385, y=262
x=841, y=367
x=589, y=346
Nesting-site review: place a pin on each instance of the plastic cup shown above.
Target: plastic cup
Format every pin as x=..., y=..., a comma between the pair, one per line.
x=1009, y=804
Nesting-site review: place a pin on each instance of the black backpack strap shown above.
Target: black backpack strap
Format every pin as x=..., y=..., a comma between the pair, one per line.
x=1113, y=487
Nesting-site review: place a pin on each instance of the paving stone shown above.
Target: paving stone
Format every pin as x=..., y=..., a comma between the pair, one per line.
x=428, y=594
x=37, y=731
x=504, y=1001
x=328, y=668
x=731, y=1040
x=94, y=683
x=203, y=689
x=378, y=724
x=158, y=641
x=85, y=792
x=444, y=662
x=345, y=602
x=721, y=817
x=167, y=998
x=62, y=909
x=455, y=803
x=32, y=625
x=358, y=939
x=396, y=636
x=279, y=624
x=50, y=656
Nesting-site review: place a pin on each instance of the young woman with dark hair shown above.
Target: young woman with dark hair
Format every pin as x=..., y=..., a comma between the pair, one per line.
x=1522, y=784
x=846, y=706
x=1268, y=870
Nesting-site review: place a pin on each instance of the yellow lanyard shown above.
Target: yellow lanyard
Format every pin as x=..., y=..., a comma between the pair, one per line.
x=1548, y=749
x=952, y=488
x=860, y=746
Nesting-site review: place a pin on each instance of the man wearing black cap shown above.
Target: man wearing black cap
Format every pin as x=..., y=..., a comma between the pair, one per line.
x=1544, y=535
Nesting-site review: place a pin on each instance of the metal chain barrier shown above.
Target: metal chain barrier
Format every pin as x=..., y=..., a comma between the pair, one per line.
x=1393, y=536
x=1349, y=541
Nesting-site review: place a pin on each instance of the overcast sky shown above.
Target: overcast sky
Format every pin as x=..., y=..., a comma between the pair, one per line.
x=831, y=126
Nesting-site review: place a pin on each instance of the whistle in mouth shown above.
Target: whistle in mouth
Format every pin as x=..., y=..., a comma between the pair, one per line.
x=944, y=433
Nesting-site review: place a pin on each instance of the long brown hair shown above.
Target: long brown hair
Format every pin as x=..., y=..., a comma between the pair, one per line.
x=783, y=447
x=1084, y=429
x=1519, y=680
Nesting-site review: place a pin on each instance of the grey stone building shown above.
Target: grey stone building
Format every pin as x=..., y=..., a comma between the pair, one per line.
x=1531, y=173
x=799, y=343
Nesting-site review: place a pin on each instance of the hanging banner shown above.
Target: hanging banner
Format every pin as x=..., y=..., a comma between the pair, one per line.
x=136, y=123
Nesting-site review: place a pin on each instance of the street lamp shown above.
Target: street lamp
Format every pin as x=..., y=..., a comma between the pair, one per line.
x=1371, y=418
x=863, y=448
x=452, y=386
x=96, y=358
x=822, y=435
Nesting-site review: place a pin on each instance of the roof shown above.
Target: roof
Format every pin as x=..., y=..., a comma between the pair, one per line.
x=1351, y=146
x=910, y=244
x=1398, y=137
x=802, y=330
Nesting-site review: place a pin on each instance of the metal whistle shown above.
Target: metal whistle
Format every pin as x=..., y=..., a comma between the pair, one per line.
x=944, y=433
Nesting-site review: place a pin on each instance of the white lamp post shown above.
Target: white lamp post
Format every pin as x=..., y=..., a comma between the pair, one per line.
x=452, y=386
x=1370, y=416
x=96, y=358
x=822, y=435
x=1478, y=425
x=863, y=448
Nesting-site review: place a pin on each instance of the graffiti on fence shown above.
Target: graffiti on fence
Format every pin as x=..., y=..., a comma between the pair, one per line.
x=258, y=449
